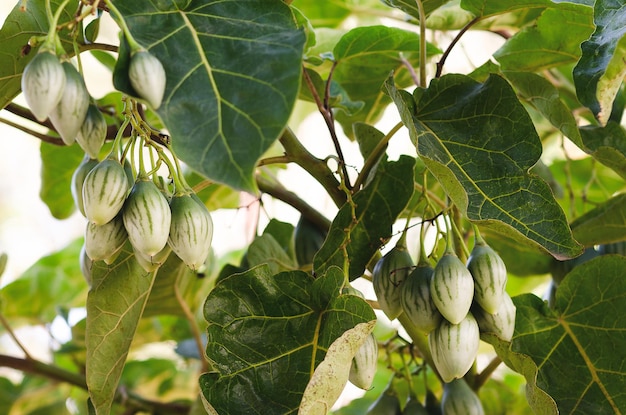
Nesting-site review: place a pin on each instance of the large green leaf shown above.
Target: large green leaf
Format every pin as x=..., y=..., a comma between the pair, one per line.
x=365, y=56
x=604, y=224
x=554, y=40
x=479, y=142
x=358, y=231
x=115, y=303
x=233, y=73
x=58, y=165
x=267, y=334
x=607, y=145
x=16, y=31
x=601, y=69
x=577, y=347
x=490, y=7
x=53, y=281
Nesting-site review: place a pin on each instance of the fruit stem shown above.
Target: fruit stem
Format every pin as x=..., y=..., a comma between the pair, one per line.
x=116, y=148
x=52, y=42
x=132, y=43
x=478, y=238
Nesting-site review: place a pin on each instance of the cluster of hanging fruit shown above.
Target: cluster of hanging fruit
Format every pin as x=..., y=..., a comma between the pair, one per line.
x=451, y=302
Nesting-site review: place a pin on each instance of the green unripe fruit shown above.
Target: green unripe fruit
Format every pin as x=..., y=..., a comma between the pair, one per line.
x=147, y=77
x=364, y=364
x=416, y=300
x=104, y=191
x=489, y=273
x=147, y=217
x=43, y=82
x=454, y=347
x=78, y=179
x=308, y=239
x=93, y=132
x=452, y=288
x=502, y=323
x=386, y=404
x=414, y=407
x=191, y=230
x=69, y=114
x=618, y=248
x=152, y=263
x=102, y=242
x=459, y=399
x=387, y=277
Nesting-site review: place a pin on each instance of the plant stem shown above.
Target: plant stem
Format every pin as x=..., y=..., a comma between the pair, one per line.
x=375, y=156
x=11, y=333
x=422, y=17
x=454, y=42
x=316, y=167
x=482, y=377
x=36, y=367
x=195, y=331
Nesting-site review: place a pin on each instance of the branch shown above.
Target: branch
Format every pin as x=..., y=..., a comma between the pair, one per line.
x=483, y=376
x=277, y=190
x=314, y=166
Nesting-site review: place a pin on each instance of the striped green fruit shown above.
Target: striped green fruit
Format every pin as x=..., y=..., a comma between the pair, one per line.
x=459, y=399
x=416, y=300
x=102, y=242
x=191, y=230
x=43, y=82
x=387, y=277
x=152, y=263
x=147, y=77
x=452, y=288
x=78, y=179
x=502, y=323
x=92, y=132
x=147, y=217
x=454, y=347
x=69, y=114
x=364, y=364
x=489, y=273
x=104, y=191
x=414, y=407
x=85, y=265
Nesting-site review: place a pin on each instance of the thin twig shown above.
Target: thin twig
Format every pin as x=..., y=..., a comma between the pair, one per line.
x=195, y=331
x=482, y=377
x=452, y=44
x=11, y=333
x=375, y=156
x=422, y=17
x=43, y=137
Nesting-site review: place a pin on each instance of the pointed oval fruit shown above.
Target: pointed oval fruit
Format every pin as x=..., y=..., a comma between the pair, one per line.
x=416, y=300
x=152, y=263
x=104, y=191
x=364, y=364
x=68, y=115
x=502, y=323
x=102, y=242
x=43, y=82
x=78, y=179
x=459, y=399
x=489, y=273
x=191, y=230
x=93, y=132
x=147, y=217
x=387, y=277
x=454, y=347
x=452, y=288
x=147, y=77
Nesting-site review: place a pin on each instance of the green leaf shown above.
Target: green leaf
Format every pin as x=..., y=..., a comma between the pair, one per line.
x=554, y=40
x=490, y=7
x=248, y=312
x=266, y=250
x=607, y=145
x=538, y=399
x=358, y=231
x=410, y=6
x=58, y=165
x=581, y=335
x=331, y=375
x=19, y=26
x=601, y=69
x=233, y=72
x=604, y=224
x=115, y=303
x=542, y=94
x=53, y=281
x=365, y=56
x=479, y=141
